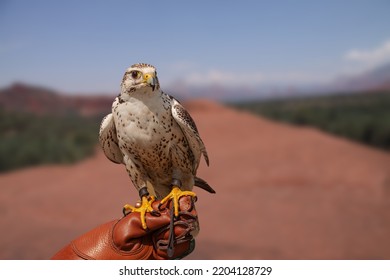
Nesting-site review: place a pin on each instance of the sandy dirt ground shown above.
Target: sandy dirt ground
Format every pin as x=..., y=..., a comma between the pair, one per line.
x=283, y=192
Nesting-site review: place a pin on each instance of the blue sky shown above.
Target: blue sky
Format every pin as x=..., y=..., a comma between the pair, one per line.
x=85, y=46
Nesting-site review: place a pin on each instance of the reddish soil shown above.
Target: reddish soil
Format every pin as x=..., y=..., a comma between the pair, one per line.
x=282, y=193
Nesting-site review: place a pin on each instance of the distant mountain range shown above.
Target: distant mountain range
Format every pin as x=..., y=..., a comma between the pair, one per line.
x=38, y=100
x=376, y=79
x=372, y=80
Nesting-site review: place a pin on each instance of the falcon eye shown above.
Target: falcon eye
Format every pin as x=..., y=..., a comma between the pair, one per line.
x=135, y=74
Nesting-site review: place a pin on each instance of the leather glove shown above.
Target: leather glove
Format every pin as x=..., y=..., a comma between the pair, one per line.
x=167, y=237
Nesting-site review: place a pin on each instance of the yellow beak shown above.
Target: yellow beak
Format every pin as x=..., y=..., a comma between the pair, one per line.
x=151, y=80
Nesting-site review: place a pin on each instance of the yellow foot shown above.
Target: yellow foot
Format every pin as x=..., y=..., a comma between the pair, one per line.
x=146, y=206
x=175, y=195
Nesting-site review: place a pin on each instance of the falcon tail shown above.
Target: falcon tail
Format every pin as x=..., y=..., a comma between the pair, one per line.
x=203, y=185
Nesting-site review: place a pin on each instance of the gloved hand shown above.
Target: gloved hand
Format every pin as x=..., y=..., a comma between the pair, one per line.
x=166, y=237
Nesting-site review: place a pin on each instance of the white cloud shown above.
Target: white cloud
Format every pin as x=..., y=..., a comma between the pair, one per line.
x=353, y=62
x=370, y=58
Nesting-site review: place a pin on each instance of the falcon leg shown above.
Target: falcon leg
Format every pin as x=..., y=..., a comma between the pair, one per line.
x=175, y=195
x=143, y=208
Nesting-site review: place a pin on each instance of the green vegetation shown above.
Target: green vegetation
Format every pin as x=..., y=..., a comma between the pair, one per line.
x=27, y=139
x=363, y=117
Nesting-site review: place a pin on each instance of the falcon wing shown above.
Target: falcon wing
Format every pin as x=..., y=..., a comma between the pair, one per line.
x=188, y=126
x=109, y=141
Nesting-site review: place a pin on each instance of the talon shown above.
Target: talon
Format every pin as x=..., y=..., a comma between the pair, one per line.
x=175, y=195
x=144, y=207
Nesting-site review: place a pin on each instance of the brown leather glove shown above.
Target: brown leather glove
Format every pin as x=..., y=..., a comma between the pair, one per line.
x=167, y=237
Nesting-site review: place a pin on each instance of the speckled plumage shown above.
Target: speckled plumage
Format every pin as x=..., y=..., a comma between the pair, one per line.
x=152, y=134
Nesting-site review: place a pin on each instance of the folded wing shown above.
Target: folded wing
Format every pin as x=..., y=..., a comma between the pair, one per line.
x=190, y=131
x=109, y=141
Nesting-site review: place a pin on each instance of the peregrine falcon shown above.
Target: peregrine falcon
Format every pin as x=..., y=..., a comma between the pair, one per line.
x=157, y=140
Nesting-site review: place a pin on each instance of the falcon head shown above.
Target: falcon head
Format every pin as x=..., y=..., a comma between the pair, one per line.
x=140, y=77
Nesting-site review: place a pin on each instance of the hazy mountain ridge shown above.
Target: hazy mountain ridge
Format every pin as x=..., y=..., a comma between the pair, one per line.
x=374, y=79
x=369, y=80
x=39, y=100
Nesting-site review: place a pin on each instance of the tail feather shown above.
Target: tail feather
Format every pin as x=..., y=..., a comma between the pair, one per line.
x=203, y=185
